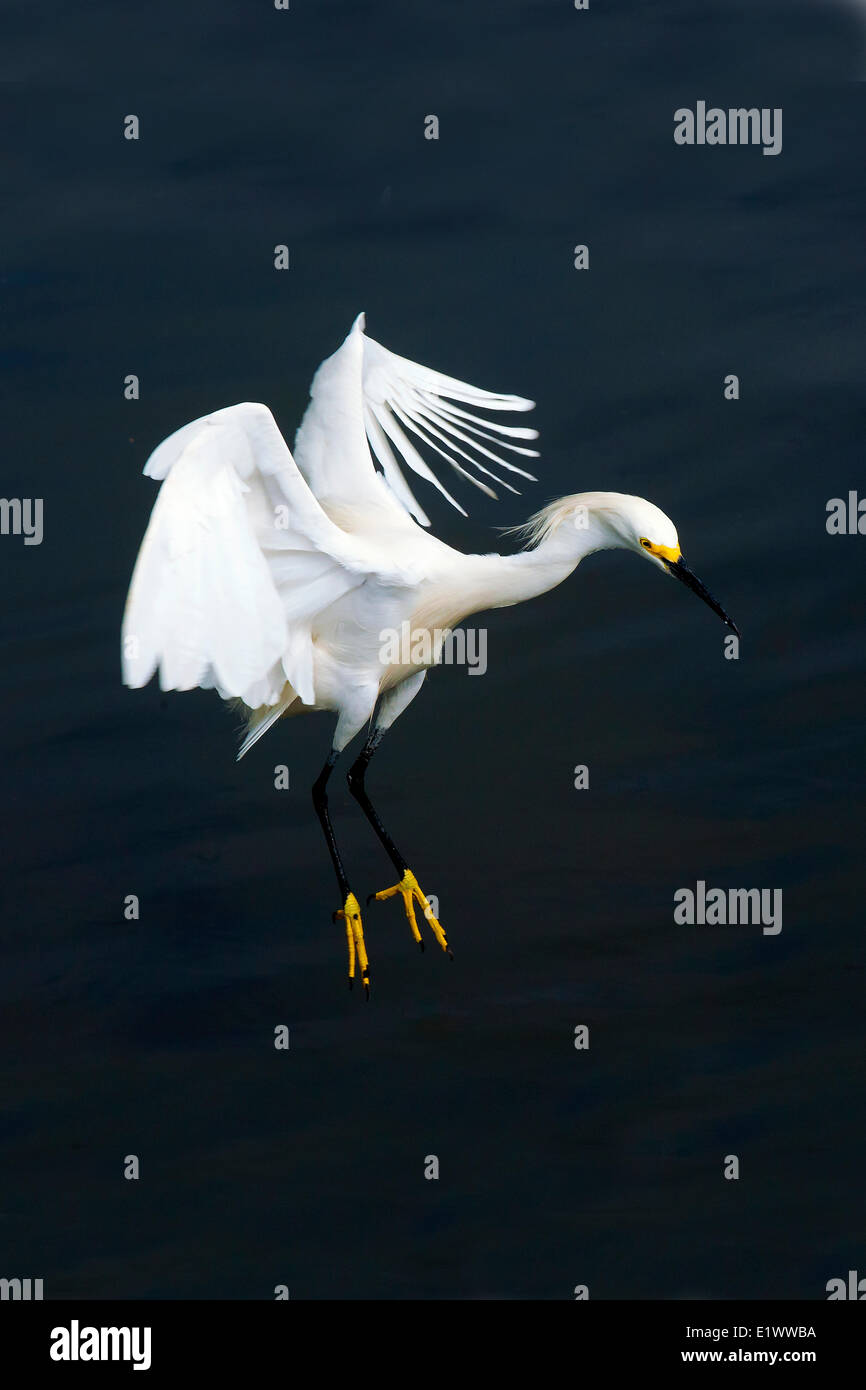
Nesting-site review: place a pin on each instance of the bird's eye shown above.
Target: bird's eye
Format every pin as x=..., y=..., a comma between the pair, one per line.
x=647, y=545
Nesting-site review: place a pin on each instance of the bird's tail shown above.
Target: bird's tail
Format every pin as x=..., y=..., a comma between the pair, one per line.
x=260, y=720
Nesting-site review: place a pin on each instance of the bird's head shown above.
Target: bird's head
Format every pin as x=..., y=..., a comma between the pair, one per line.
x=606, y=520
x=644, y=527
x=640, y=525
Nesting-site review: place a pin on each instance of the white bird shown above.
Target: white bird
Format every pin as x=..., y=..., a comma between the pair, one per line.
x=281, y=578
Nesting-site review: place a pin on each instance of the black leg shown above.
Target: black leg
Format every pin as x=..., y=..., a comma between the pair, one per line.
x=407, y=887
x=320, y=802
x=350, y=912
x=355, y=778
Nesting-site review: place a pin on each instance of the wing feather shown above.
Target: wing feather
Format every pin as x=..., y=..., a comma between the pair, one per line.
x=367, y=404
x=237, y=562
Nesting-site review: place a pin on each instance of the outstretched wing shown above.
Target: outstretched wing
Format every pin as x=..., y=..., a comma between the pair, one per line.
x=237, y=562
x=366, y=398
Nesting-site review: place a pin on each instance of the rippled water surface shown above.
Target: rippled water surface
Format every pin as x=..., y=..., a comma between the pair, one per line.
x=154, y=1037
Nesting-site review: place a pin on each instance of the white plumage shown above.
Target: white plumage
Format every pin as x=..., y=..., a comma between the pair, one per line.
x=256, y=564
x=276, y=578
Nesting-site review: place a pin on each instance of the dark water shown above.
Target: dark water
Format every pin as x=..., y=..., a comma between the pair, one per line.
x=154, y=1037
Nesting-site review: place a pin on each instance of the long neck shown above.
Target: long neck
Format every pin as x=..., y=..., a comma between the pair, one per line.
x=496, y=581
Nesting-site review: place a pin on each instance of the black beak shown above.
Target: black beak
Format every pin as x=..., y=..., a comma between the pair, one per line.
x=691, y=581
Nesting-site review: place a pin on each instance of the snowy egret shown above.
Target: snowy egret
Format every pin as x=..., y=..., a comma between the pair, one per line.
x=272, y=577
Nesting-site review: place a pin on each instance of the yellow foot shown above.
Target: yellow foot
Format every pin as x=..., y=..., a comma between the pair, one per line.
x=411, y=893
x=350, y=913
